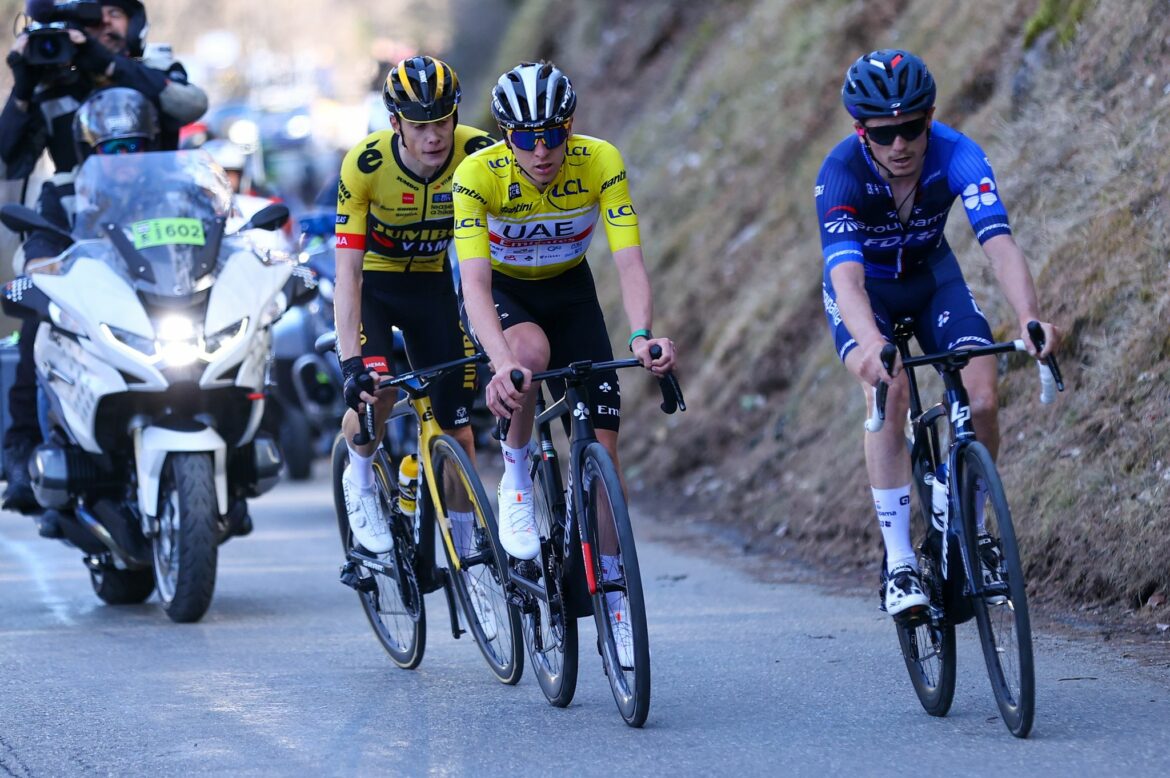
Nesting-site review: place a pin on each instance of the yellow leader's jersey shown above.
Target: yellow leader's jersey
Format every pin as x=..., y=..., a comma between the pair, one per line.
x=403, y=222
x=531, y=234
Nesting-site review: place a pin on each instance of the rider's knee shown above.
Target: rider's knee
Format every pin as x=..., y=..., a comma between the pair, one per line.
x=529, y=344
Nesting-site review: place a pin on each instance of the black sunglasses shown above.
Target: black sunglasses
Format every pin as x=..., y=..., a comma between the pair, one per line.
x=885, y=134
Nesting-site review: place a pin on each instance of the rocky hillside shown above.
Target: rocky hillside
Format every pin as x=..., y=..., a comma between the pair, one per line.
x=724, y=112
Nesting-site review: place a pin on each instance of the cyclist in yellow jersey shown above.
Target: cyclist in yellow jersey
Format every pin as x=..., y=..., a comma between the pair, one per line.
x=394, y=224
x=525, y=213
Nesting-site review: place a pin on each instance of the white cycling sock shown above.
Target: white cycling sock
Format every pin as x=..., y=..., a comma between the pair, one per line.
x=611, y=570
x=361, y=469
x=893, y=512
x=516, y=475
x=462, y=531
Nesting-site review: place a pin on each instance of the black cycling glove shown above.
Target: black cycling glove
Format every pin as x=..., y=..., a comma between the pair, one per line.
x=24, y=76
x=355, y=380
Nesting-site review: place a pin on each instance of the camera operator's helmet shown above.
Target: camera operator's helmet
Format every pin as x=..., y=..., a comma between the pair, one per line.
x=113, y=120
x=887, y=82
x=533, y=95
x=421, y=89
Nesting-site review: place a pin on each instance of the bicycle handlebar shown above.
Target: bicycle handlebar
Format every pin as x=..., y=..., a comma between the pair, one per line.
x=672, y=396
x=957, y=358
x=424, y=375
x=877, y=417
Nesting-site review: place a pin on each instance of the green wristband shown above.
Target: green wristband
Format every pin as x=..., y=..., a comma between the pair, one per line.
x=642, y=333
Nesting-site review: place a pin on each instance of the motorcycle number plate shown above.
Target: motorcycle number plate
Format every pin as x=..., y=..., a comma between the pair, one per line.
x=149, y=233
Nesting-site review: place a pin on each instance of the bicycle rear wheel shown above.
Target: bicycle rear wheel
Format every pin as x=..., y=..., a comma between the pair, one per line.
x=392, y=603
x=476, y=561
x=550, y=630
x=1002, y=611
x=928, y=646
x=618, y=606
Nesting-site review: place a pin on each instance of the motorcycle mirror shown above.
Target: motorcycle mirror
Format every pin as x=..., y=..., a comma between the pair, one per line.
x=301, y=288
x=19, y=218
x=270, y=217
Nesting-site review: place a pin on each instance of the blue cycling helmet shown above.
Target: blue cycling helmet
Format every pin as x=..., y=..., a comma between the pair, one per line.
x=887, y=82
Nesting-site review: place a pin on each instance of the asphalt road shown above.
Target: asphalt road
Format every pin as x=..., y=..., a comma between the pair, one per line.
x=284, y=677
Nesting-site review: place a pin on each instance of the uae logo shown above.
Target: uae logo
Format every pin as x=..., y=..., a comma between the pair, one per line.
x=976, y=196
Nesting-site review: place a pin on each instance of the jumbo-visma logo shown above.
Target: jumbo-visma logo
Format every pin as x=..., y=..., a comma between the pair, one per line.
x=845, y=221
x=975, y=196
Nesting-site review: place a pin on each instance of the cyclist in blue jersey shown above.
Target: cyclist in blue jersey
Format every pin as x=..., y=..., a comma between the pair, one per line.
x=883, y=195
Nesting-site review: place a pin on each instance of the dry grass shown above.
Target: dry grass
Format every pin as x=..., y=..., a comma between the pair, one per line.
x=724, y=114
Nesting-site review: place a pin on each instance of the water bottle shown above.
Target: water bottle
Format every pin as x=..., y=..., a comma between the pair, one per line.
x=407, y=484
x=939, y=499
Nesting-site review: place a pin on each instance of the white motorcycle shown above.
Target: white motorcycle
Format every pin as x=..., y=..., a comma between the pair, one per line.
x=152, y=360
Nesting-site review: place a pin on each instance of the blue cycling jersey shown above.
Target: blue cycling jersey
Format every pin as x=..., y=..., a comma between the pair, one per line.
x=859, y=219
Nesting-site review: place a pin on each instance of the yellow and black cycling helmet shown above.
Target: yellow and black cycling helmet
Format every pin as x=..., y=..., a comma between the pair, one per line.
x=421, y=89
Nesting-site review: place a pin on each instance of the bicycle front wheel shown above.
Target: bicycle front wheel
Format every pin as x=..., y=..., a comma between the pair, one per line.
x=476, y=560
x=549, y=625
x=389, y=595
x=611, y=566
x=1001, y=609
x=928, y=645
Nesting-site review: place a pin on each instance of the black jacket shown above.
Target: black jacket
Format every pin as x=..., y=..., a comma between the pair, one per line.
x=48, y=122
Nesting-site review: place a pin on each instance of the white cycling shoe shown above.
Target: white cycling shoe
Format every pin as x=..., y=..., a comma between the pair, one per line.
x=518, y=533
x=366, y=521
x=904, y=591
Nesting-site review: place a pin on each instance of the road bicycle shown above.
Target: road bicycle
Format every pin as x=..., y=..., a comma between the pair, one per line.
x=968, y=557
x=588, y=562
x=391, y=585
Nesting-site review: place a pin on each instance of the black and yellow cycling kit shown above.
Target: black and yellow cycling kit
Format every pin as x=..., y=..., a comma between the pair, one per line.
x=404, y=224
x=537, y=242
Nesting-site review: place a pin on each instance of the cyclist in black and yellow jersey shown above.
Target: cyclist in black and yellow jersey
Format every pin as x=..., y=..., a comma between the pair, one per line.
x=525, y=212
x=394, y=224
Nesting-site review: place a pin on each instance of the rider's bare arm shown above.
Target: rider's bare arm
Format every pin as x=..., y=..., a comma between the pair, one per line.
x=853, y=303
x=1011, y=270
x=639, y=305
x=347, y=302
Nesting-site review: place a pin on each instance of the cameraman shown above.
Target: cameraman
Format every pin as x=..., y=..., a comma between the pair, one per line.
x=107, y=48
x=39, y=112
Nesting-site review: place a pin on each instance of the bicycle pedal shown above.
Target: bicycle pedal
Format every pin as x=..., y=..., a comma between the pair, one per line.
x=913, y=617
x=349, y=576
x=527, y=568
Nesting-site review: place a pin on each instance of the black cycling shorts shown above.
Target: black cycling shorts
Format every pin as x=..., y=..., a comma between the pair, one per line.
x=566, y=308
x=424, y=307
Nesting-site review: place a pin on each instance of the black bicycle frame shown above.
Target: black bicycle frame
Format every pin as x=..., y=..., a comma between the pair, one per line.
x=957, y=406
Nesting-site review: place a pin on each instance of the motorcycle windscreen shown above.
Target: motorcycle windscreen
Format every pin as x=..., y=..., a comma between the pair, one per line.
x=163, y=212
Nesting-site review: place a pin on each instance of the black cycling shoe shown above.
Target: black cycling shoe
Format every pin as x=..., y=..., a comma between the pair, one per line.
x=991, y=565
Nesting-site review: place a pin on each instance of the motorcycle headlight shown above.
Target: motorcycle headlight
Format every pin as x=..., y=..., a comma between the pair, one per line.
x=128, y=340
x=177, y=341
x=225, y=338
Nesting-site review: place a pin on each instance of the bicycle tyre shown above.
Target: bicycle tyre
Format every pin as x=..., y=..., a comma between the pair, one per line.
x=630, y=684
x=1004, y=627
x=555, y=661
x=399, y=627
x=928, y=647
x=502, y=651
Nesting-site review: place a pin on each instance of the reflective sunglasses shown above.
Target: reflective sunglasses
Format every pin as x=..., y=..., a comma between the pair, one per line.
x=552, y=137
x=885, y=134
x=121, y=146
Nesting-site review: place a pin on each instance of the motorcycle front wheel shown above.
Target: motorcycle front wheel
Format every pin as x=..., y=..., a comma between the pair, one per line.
x=185, y=547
